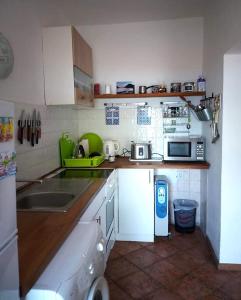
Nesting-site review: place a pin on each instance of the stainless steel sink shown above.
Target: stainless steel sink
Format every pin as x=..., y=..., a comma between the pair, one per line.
x=53, y=201
x=54, y=195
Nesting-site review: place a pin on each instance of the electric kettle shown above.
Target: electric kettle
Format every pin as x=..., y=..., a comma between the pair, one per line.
x=110, y=148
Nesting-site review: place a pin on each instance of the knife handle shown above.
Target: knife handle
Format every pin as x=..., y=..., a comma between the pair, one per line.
x=37, y=136
x=32, y=139
x=28, y=132
x=20, y=132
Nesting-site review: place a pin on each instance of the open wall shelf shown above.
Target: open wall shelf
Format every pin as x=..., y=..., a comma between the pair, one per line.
x=149, y=95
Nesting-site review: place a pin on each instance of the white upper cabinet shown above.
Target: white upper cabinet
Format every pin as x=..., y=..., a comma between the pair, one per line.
x=68, y=68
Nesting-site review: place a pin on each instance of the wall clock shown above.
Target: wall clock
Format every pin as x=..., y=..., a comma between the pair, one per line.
x=6, y=57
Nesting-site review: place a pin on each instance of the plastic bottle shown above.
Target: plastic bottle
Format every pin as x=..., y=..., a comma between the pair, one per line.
x=201, y=84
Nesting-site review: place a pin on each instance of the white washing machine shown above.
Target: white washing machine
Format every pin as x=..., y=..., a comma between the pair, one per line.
x=76, y=271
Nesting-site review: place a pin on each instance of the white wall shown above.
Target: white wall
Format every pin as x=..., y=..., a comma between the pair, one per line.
x=222, y=25
x=25, y=86
x=21, y=27
x=230, y=247
x=146, y=52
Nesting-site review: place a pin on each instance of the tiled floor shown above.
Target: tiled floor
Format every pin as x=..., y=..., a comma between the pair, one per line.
x=175, y=269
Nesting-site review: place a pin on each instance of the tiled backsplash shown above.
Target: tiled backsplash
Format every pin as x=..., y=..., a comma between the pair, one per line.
x=32, y=162
x=93, y=120
x=185, y=184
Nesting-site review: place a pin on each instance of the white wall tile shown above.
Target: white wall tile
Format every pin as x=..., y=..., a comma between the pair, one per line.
x=33, y=162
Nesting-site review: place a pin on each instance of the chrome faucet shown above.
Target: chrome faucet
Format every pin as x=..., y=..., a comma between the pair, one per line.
x=30, y=180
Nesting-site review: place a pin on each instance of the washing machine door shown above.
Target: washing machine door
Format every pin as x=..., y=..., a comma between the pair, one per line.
x=99, y=290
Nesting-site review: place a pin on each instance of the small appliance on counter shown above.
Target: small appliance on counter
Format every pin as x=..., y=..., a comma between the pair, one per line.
x=141, y=151
x=184, y=149
x=110, y=149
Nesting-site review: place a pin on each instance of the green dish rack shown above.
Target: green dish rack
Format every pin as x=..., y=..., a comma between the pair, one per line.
x=67, y=146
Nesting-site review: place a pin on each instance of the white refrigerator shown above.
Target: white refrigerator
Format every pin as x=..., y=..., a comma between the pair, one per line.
x=9, y=273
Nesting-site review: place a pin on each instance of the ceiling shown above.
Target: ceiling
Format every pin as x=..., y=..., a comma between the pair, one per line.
x=93, y=12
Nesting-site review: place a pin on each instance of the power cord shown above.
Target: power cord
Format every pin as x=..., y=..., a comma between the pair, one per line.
x=124, y=152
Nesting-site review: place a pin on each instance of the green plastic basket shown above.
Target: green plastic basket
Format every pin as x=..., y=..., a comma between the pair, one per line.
x=67, y=146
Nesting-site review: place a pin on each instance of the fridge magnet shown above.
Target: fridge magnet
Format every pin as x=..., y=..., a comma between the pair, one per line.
x=125, y=87
x=144, y=115
x=112, y=115
x=6, y=129
x=7, y=164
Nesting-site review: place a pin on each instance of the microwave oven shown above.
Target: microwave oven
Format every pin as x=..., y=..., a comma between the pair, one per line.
x=184, y=149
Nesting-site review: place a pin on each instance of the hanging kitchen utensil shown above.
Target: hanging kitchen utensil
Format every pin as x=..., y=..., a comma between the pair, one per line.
x=33, y=128
x=28, y=123
x=38, y=127
x=214, y=125
x=21, y=125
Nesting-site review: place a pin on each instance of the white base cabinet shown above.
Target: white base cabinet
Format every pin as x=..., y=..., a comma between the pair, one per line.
x=135, y=211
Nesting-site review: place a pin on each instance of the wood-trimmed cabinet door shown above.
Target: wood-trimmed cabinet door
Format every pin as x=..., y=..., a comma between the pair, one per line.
x=82, y=53
x=68, y=67
x=136, y=205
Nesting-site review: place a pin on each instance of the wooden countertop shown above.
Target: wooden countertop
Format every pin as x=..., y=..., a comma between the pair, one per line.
x=42, y=233
x=123, y=162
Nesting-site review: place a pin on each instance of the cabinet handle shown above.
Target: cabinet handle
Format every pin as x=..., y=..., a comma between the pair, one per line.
x=98, y=220
x=149, y=177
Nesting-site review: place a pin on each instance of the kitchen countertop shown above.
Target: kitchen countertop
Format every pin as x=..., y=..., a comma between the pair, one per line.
x=123, y=162
x=42, y=233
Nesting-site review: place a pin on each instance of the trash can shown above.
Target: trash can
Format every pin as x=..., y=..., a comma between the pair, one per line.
x=185, y=214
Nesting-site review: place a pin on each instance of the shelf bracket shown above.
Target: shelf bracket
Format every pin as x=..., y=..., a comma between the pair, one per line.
x=189, y=103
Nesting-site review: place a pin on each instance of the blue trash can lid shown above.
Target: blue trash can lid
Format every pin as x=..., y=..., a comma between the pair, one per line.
x=184, y=204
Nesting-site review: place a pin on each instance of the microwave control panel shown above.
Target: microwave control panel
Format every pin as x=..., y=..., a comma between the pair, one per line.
x=200, y=151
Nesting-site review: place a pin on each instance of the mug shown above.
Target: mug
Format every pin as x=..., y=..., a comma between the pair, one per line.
x=111, y=158
x=108, y=89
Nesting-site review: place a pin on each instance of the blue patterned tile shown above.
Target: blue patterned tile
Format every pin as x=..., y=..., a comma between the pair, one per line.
x=144, y=115
x=112, y=115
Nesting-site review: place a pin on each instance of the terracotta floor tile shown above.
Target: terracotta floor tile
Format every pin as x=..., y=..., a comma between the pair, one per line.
x=165, y=273
x=213, y=277
x=142, y=257
x=137, y=285
x=163, y=249
x=162, y=294
x=232, y=288
x=191, y=288
x=113, y=255
x=179, y=268
x=216, y=295
x=126, y=247
x=183, y=261
x=119, y=267
x=183, y=243
x=199, y=255
x=116, y=293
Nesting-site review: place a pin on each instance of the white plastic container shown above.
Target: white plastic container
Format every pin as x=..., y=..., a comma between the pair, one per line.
x=201, y=84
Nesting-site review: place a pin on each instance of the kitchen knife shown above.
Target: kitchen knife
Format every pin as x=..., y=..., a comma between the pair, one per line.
x=28, y=127
x=21, y=125
x=38, y=127
x=33, y=128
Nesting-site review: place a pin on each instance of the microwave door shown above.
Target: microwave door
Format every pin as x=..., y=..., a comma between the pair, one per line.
x=179, y=150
